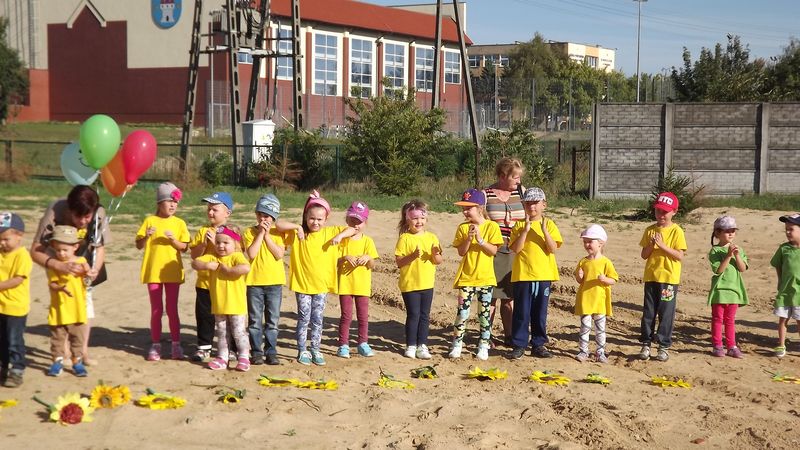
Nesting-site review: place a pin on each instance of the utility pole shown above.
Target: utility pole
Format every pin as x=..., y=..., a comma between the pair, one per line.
x=638, y=40
x=470, y=98
x=437, y=57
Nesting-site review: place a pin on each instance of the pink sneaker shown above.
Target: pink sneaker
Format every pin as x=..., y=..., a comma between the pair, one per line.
x=243, y=365
x=218, y=364
x=719, y=352
x=154, y=354
x=735, y=352
x=177, y=351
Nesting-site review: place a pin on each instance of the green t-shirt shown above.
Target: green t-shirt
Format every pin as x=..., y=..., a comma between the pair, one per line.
x=787, y=259
x=727, y=288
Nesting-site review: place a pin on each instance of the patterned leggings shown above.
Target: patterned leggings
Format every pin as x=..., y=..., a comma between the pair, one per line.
x=309, y=310
x=484, y=295
x=238, y=328
x=599, y=332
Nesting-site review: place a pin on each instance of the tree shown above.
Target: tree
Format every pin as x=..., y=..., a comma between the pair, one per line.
x=533, y=62
x=784, y=74
x=13, y=79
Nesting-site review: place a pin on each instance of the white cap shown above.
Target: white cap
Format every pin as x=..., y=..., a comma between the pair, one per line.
x=594, y=231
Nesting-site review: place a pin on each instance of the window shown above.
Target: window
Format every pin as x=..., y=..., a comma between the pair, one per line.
x=325, y=64
x=590, y=61
x=423, y=65
x=475, y=61
x=361, y=67
x=503, y=61
x=244, y=58
x=284, y=64
x=491, y=59
x=452, y=67
x=394, y=58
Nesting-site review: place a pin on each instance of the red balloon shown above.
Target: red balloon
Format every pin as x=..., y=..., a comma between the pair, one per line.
x=138, y=154
x=113, y=176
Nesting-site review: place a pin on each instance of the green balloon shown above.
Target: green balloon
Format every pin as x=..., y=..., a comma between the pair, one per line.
x=100, y=140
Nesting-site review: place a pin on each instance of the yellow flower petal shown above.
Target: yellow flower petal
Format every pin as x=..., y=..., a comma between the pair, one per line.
x=8, y=403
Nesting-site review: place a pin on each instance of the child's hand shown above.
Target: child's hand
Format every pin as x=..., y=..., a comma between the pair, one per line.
x=473, y=231
x=211, y=234
x=335, y=240
x=301, y=234
x=213, y=265
x=363, y=260
x=92, y=273
x=150, y=231
x=351, y=260
x=580, y=273
x=527, y=223
x=169, y=235
x=263, y=226
x=601, y=277
x=435, y=250
x=416, y=253
x=657, y=239
x=733, y=250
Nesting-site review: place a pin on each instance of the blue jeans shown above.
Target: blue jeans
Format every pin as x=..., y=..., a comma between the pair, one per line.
x=531, y=299
x=12, y=342
x=418, y=315
x=263, y=301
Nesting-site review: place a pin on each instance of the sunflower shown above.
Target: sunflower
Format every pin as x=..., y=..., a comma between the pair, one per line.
x=229, y=398
x=154, y=400
x=389, y=381
x=425, y=372
x=8, y=403
x=549, y=378
x=71, y=409
x=104, y=396
x=492, y=374
x=665, y=381
x=277, y=382
x=325, y=385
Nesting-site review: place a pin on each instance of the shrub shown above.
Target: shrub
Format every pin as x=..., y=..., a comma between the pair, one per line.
x=216, y=169
x=689, y=194
x=306, y=154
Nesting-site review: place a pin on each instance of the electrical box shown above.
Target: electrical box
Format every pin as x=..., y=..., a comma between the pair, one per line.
x=258, y=136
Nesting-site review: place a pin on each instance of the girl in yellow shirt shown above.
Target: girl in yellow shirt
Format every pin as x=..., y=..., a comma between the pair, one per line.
x=477, y=241
x=163, y=237
x=417, y=254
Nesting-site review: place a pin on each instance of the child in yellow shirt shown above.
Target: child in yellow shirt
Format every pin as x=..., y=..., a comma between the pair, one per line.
x=595, y=274
x=15, y=298
x=663, y=246
x=227, y=268
x=67, y=316
x=535, y=241
x=477, y=241
x=417, y=253
x=163, y=237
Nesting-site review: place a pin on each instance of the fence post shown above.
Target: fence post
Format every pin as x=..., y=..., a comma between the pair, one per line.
x=558, y=151
x=9, y=158
x=336, y=178
x=574, y=168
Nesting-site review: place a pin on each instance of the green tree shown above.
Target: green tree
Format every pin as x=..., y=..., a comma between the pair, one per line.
x=533, y=63
x=13, y=77
x=784, y=74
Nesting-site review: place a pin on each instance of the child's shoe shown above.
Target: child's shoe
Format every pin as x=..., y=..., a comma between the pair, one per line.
x=365, y=351
x=582, y=356
x=79, y=369
x=735, y=352
x=202, y=355
x=304, y=358
x=243, y=364
x=719, y=352
x=272, y=359
x=177, y=351
x=644, y=353
x=14, y=379
x=411, y=351
x=541, y=352
x=343, y=352
x=56, y=368
x=483, y=352
x=455, y=350
x=218, y=364
x=154, y=354
x=517, y=353
x=317, y=358
x=601, y=357
x=780, y=352
x=662, y=354
x=422, y=352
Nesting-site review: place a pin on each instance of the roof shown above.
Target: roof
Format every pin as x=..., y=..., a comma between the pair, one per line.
x=366, y=16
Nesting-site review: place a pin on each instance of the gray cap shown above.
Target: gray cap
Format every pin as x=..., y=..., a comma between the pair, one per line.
x=270, y=205
x=533, y=194
x=11, y=221
x=725, y=223
x=167, y=191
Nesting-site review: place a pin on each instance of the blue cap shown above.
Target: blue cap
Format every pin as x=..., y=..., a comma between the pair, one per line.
x=269, y=204
x=220, y=197
x=11, y=221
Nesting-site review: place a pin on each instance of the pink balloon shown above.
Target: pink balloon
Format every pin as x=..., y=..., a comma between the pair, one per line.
x=138, y=154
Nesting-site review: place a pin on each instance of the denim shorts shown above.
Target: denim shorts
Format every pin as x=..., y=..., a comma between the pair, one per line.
x=787, y=312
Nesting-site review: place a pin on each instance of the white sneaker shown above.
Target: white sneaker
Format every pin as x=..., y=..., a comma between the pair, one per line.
x=483, y=352
x=411, y=351
x=455, y=350
x=422, y=352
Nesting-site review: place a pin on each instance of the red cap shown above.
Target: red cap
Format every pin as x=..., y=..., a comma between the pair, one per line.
x=666, y=201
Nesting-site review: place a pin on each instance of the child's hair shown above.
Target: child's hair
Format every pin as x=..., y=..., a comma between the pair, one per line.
x=314, y=201
x=721, y=224
x=237, y=243
x=402, y=226
x=483, y=212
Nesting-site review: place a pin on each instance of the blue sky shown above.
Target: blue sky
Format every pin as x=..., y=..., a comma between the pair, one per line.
x=667, y=25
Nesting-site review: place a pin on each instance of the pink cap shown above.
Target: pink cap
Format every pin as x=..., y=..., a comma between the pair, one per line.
x=314, y=199
x=358, y=210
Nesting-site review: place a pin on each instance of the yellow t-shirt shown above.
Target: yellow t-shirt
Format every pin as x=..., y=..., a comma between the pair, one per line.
x=199, y=238
x=265, y=269
x=356, y=280
x=312, y=263
x=477, y=267
x=593, y=296
x=66, y=310
x=659, y=267
x=17, y=300
x=532, y=263
x=228, y=292
x=161, y=262
x=420, y=274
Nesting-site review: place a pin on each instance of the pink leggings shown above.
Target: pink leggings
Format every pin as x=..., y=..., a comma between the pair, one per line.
x=723, y=315
x=157, y=310
x=362, y=313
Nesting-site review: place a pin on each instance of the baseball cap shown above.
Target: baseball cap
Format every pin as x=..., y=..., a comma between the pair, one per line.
x=358, y=210
x=725, y=223
x=595, y=231
x=11, y=221
x=270, y=205
x=533, y=194
x=168, y=191
x=65, y=234
x=220, y=197
x=792, y=218
x=666, y=201
x=472, y=197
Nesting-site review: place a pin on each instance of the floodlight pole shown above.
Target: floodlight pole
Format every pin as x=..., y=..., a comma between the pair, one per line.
x=638, y=40
x=470, y=98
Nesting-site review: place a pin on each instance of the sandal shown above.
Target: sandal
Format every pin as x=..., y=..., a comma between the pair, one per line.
x=243, y=365
x=217, y=364
x=780, y=351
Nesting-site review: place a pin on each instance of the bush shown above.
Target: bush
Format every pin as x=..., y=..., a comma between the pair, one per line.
x=216, y=169
x=306, y=154
x=689, y=194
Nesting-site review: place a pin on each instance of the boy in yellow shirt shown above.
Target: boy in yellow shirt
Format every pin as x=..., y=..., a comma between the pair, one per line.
x=663, y=246
x=15, y=298
x=535, y=241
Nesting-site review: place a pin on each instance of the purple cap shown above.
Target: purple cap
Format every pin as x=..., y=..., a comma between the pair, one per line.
x=472, y=197
x=358, y=210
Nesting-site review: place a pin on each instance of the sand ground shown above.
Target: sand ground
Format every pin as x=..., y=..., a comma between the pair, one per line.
x=733, y=403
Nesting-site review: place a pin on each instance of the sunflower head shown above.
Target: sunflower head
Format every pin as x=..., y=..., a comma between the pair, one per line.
x=71, y=409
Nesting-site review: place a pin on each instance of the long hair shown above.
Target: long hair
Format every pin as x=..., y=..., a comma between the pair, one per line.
x=82, y=200
x=402, y=226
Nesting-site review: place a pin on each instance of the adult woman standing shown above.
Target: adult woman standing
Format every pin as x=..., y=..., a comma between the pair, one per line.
x=81, y=209
x=504, y=205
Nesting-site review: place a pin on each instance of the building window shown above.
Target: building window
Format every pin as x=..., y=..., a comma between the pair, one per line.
x=325, y=64
x=394, y=58
x=244, y=58
x=503, y=61
x=475, y=61
x=284, y=64
x=361, y=67
x=452, y=67
x=590, y=61
x=423, y=64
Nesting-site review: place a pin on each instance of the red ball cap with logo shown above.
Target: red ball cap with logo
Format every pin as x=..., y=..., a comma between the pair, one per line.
x=666, y=201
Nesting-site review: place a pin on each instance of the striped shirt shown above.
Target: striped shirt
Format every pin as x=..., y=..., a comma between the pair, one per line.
x=505, y=213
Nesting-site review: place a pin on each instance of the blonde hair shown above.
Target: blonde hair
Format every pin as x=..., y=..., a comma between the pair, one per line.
x=402, y=226
x=506, y=166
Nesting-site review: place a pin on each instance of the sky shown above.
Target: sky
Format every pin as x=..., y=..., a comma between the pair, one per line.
x=667, y=25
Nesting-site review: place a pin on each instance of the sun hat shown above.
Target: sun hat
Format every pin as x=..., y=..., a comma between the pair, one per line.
x=65, y=234
x=595, y=231
x=472, y=197
x=270, y=205
x=358, y=210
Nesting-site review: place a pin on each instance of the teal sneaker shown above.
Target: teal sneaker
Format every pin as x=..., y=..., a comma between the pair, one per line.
x=79, y=369
x=304, y=358
x=56, y=368
x=365, y=351
x=343, y=352
x=317, y=358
